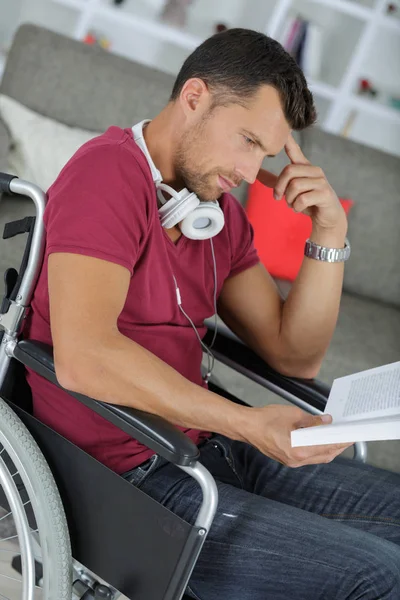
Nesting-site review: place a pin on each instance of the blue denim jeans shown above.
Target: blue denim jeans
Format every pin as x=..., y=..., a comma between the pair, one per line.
x=319, y=532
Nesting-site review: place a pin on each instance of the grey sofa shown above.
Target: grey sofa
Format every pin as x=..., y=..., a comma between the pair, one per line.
x=89, y=88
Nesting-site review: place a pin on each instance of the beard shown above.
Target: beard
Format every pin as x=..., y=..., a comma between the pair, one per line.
x=203, y=185
x=188, y=165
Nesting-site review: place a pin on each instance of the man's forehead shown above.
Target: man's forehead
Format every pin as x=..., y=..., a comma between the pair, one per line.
x=267, y=123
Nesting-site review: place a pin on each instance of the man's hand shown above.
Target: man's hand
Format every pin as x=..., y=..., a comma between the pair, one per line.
x=268, y=429
x=306, y=190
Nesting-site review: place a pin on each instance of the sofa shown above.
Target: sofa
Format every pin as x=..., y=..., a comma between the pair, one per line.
x=86, y=87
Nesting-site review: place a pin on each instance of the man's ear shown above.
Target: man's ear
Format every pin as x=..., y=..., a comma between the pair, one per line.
x=194, y=96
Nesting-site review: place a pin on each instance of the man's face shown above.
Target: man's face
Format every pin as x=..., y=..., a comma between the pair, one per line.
x=223, y=147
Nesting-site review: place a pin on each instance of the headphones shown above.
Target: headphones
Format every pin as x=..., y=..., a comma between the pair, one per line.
x=198, y=220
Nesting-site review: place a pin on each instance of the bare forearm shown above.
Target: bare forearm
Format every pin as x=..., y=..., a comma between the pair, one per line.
x=310, y=312
x=119, y=371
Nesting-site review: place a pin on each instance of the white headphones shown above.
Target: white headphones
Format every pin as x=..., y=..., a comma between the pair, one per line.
x=198, y=220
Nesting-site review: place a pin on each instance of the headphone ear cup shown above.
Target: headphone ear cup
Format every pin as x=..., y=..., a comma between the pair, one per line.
x=177, y=209
x=206, y=221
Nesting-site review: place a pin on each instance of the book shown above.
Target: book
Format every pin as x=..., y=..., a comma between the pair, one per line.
x=303, y=40
x=365, y=407
x=312, y=52
x=291, y=35
x=298, y=47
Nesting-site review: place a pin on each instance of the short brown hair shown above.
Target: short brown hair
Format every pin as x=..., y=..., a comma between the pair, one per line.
x=236, y=62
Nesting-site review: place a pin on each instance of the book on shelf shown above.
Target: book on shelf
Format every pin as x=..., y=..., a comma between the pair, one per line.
x=364, y=406
x=303, y=40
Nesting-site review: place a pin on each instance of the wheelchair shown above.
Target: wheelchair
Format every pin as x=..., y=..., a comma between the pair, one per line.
x=70, y=528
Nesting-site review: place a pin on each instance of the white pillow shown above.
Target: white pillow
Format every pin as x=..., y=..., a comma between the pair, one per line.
x=40, y=147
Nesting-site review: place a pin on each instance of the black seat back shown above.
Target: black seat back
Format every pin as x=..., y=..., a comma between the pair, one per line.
x=117, y=531
x=15, y=388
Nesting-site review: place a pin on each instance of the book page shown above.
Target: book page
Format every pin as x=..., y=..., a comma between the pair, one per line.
x=362, y=430
x=369, y=394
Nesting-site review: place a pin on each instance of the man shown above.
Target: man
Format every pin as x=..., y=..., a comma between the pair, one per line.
x=107, y=300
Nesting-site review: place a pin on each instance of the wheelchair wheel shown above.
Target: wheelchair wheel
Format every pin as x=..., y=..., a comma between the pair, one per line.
x=35, y=552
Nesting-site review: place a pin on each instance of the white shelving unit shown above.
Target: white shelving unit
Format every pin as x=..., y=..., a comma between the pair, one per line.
x=359, y=41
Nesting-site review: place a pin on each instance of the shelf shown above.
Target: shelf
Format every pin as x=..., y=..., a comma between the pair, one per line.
x=322, y=105
x=360, y=10
x=340, y=34
x=381, y=64
x=76, y=4
x=159, y=30
x=144, y=16
x=376, y=109
x=322, y=89
x=376, y=133
x=392, y=23
x=140, y=47
x=137, y=32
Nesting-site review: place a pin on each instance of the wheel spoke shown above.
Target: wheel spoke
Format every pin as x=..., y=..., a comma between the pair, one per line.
x=12, y=537
x=12, y=578
x=14, y=553
x=5, y=516
x=10, y=513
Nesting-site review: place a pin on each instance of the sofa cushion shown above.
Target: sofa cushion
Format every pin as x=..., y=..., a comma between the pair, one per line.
x=372, y=179
x=367, y=335
x=279, y=232
x=40, y=147
x=80, y=85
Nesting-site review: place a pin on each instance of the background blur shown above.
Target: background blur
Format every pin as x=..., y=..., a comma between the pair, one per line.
x=349, y=49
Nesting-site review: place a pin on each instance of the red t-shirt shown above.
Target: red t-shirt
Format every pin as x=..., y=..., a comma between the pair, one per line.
x=104, y=205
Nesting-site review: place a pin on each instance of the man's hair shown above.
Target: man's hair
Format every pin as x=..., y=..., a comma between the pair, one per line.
x=235, y=63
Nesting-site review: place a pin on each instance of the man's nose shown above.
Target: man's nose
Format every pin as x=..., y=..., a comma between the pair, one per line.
x=249, y=170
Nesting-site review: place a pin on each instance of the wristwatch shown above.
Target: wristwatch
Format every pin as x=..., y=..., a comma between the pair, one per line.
x=332, y=255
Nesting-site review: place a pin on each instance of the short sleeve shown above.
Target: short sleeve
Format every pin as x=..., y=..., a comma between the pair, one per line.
x=97, y=206
x=243, y=252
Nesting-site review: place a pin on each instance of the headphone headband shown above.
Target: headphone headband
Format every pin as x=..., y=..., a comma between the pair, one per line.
x=198, y=220
x=138, y=136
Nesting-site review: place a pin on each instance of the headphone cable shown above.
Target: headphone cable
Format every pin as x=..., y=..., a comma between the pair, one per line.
x=210, y=355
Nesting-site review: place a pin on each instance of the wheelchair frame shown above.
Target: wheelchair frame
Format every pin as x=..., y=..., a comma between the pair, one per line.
x=182, y=541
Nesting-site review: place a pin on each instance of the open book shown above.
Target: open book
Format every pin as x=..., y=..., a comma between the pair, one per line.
x=364, y=406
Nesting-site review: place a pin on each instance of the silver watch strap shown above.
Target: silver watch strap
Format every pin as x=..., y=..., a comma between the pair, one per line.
x=331, y=255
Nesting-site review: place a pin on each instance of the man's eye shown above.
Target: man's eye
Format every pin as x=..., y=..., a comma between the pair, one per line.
x=248, y=141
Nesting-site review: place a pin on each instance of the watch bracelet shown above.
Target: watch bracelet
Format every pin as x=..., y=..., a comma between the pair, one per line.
x=325, y=254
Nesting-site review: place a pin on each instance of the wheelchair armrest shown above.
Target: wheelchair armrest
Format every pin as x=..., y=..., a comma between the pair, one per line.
x=230, y=350
x=151, y=430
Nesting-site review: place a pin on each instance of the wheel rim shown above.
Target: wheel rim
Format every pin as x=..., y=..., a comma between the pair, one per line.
x=20, y=542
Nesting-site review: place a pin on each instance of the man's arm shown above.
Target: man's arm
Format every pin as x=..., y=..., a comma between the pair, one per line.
x=93, y=358
x=293, y=336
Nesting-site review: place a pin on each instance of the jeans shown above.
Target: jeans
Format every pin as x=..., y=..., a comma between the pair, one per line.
x=318, y=532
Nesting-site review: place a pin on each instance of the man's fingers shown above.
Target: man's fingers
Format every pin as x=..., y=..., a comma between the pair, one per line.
x=301, y=185
x=317, y=459
x=307, y=420
x=267, y=178
x=310, y=455
x=291, y=172
x=306, y=201
x=294, y=152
